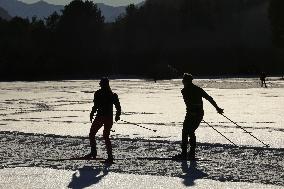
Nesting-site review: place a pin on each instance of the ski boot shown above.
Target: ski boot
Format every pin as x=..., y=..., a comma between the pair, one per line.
x=92, y=155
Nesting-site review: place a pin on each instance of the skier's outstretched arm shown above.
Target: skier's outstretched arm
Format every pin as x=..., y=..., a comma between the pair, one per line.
x=212, y=101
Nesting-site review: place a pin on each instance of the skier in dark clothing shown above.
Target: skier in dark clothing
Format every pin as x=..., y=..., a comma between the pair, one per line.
x=104, y=99
x=192, y=96
x=262, y=79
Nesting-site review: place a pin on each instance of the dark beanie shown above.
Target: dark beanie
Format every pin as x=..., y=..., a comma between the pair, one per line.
x=187, y=77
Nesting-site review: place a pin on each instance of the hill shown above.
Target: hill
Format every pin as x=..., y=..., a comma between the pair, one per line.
x=42, y=9
x=4, y=14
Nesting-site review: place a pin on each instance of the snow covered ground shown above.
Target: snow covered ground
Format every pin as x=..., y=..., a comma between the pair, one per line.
x=88, y=177
x=44, y=121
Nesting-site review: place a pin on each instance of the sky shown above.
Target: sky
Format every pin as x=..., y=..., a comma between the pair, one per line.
x=108, y=2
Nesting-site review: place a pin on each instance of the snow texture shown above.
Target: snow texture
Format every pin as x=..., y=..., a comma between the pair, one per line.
x=43, y=123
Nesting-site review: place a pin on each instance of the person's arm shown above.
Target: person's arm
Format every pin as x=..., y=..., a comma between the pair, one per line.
x=212, y=101
x=94, y=108
x=117, y=107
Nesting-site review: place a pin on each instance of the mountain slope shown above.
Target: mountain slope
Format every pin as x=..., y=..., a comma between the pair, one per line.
x=111, y=13
x=42, y=9
x=4, y=14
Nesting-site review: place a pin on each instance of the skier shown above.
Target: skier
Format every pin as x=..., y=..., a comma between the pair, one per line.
x=192, y=96
x=104, y=99
x=262, y=79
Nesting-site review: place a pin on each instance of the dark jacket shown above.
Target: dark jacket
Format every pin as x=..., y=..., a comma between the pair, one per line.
x=104, y=99
x=192, y=96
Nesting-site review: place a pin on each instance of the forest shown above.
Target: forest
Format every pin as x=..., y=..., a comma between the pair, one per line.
x=160, y=39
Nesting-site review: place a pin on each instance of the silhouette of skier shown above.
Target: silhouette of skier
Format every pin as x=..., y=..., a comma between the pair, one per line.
x=104, y=99
x=192, y=96
x=262, y=79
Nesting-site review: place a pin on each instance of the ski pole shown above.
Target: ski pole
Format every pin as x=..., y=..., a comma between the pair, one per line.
x=139, y=126
x=266, y=145
x=220, y=133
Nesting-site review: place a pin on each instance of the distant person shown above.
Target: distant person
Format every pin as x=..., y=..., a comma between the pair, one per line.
x=192, y=96
x=104, y=99
x=262, y=79
x=155, y=79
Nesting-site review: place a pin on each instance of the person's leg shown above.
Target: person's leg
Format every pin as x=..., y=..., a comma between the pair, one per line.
x=96, y=125
x=192, y=142
x=108, y=122
x=184, y=142
x=194, y=124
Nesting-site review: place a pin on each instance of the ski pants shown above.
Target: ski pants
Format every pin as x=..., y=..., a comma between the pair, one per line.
x=99, y=121
x=190, y=124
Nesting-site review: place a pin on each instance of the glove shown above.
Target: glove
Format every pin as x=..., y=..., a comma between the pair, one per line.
x=117, y=118
x=220, y=110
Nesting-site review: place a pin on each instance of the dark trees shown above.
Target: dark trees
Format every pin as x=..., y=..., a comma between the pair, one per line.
x=198, y=36
x=277, y=22
x=65, y=45
x=79, y=36
x=276, y=15
x=21, y=43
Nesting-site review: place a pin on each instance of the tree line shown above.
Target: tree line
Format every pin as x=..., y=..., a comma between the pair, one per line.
x=158, y=39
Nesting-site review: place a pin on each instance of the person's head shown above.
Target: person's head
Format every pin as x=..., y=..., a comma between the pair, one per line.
x=104, y=83
x=187, y=79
